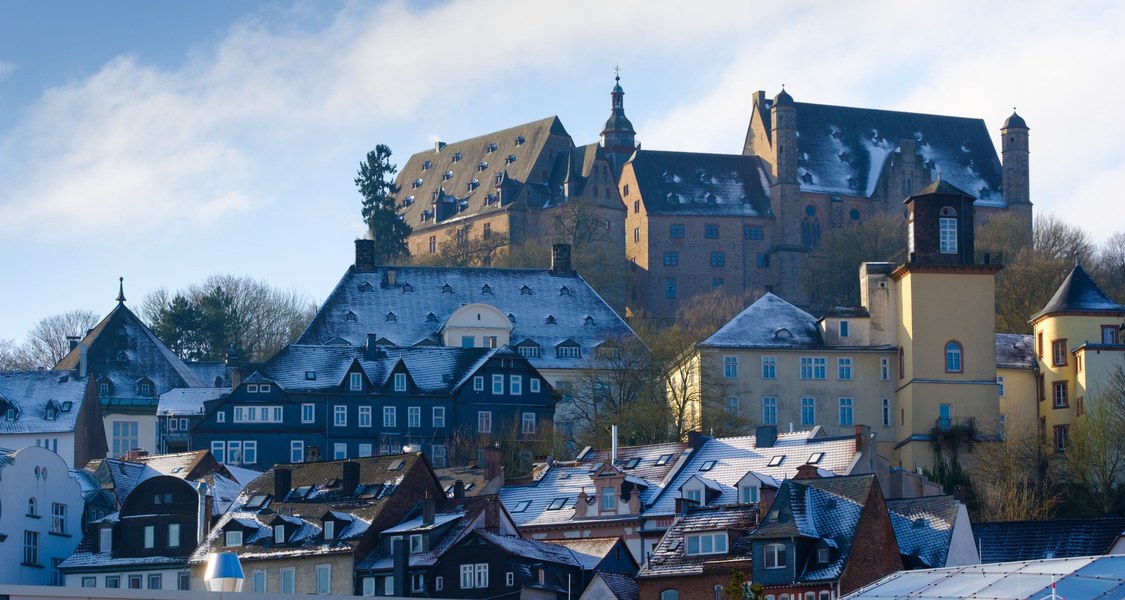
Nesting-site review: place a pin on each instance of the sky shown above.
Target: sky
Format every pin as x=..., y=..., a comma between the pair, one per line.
x=166, y=141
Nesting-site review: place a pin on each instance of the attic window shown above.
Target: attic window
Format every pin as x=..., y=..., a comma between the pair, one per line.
x=492, y=148
x=431, y=318
x=511, y=159
x=521, y=506
x=485, y=289
x=447, y=175
x=52, y=412
x=564, y=291
x=511, y=317
x=447, y=289
x=300, y=492
x=525, y=291
x=409, y=200
x=596, y=466
x=490, y=199
x=482, y=166
x=66, y=406
x=456, y=156
x=349, y=316
x=310, y=375
x=417, y=183
x=589, y=320
x=632, y=463
x=815, y=458
x=520, y=140
x=122, y=356
x=426, y=166
x=556, y=504
x=707, y=465
x=257, y=501
x=776, y=461
x=390, y=317
x=406, y=287
x=919, y=523
x=371, y=491
x=396, y=465
x=551, y=320
x=474, y=184
x=663, y=460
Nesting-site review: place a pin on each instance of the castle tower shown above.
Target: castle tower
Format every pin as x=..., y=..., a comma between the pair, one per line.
x=946, y=305
x=618, y=138
x=1016, y=171
x=790, y=259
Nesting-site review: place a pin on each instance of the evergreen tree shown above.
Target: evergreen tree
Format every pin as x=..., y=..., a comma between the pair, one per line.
x=375, y=182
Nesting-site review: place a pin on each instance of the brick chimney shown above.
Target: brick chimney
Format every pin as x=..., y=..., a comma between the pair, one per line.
x=234, y=367
x=350, y=478
x=428, y=509
x=560, y=260
x=492, y=515
x=492, y=466
x=364, y=255
x=765, y=436
x=807, y=472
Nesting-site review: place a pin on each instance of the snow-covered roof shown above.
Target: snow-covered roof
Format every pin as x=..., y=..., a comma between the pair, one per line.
x=418, y=525
x=545, y=308
x=33, y=393
x=696, y=183
x=187, y=401
x=924, y=528
x=1015, y=351
x=769, y=322
x=553, y=497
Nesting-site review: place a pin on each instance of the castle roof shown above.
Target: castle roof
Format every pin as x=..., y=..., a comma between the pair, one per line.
x=1015, y=121
x=1079, y=294
x=696, y=183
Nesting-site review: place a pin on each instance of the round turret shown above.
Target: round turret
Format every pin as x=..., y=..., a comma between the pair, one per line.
x=1015, y=121
x=783, y=99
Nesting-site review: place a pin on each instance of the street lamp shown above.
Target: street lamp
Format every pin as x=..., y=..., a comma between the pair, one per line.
x=224, y=572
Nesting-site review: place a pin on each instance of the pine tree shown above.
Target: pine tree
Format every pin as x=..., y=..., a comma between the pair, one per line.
x=375, y=182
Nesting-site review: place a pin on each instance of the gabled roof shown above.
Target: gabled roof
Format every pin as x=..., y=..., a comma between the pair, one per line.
x=651, y=462
x=769, y=322
x=734, y=457
x=695, y=183
x=124, y=350
x=1058, y=538
x=370, y=303
x=590, y=552
x=623, y=587
x=924, y=528
x=844, y=150
x=820, y=509
x=532, y=549
x=1079, y=294
x=1015, y=351
x=551, y=499
x=669, y=557
x=31, y=392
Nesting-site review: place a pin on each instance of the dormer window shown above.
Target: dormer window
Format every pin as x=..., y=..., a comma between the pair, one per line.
x=431, y=318
x=608, y=497
x=447, y=289
x=695, y=495
x=417, y=183
x=551, y=320
x=822, y=555
x=355, y=382
x=406, y=287
x=279, y=534
x=145, y=388
x=748, y=494
x=329, y=530
x=233, y=538
x=400, y=382
x=520, y=140
x=564, y=291
x=706, y=543
x=492, y=148
x=52, y=412
x=426, y=166
x=456, y=156
x=485, y=289
x=416, y=544
x=482, y=166
x=390, y=317
x=774, y=556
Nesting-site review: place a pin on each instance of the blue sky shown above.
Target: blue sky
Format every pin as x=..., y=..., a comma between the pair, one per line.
x=165, y=141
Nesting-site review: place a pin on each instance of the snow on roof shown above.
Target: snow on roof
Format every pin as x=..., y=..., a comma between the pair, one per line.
x=1015, y=351
x=696, y=183
x=31, y=393
x=533, y=549
x=553, y=497
x=924, y=528
x=187, y=401
x=769, y=322
x=589, y=551
x=360, y=304
x=416, y=524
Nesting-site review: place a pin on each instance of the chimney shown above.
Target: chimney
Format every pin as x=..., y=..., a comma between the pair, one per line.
x=83, y=360
x=72, y=341
x=201, y=513
x=350, y=477
x=364, y=255
x=807, y=471
x=428, y=508
x=695, y=439
x=234, y=367
x=765, y=436
x=282, y=483
x=613, y=446
x=862, y=438
x=439, y=146
x=371, y=351
x=492, y=468
x=560, y=260
x=401, y=567
x=458, y=489
x=492, y=515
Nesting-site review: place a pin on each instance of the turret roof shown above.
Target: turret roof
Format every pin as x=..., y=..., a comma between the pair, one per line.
x=1079, y=293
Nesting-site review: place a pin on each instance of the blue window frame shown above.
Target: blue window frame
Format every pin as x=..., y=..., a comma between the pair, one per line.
x=718, y=259
x=676, y=231
x=711, y=231
x=671, y=258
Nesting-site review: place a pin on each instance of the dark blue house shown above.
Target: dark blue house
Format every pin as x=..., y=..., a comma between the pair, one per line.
x=330, y=402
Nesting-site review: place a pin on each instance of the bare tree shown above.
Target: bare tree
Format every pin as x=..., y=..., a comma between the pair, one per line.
x=834, y=265
x=13, y=357
x=1007, y=479
x=462, y=249
x=1094, y=463
x=1109, y=268
x=47, y=341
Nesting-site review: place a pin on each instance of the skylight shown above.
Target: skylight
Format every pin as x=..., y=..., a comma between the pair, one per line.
x=396, y=465
x=521, y=506
x=632, y=463
x=815, y=458
x=596, y=466
x=776, y=461
x=300, y=492
x=257, y=501
x=708, y=465
x=556, y=504
x=372, y=491
x=663, y=460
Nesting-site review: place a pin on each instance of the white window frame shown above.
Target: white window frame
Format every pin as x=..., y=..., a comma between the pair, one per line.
x=288, y=577
x=844, y=368
x=947, y=235
x=497, y=385
x=808, y=403
x=769, y=367
x=308, y=413
x=467, y=580
x=296, y=451
x=478, y=383
x=730, y=367
x=774, y=556
x=769, y=410
x=439, y=416
x=484, y=421
x=339, y=451
x=527, y=423
x=390, y=416
x=173, y=535
x=533, y=385
x=355, y=382
x=847, y=411
x=414, y=417
x=515, y=386
x=366, y=450
x=150, y=537
x=400, y=382
x=885, y=369
x=701, y=544
x=232, y=538
x=364, y=417
x=340, y=415
x=749, y=494
x=323, y=579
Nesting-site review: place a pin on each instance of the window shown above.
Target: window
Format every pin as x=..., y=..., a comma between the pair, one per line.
x=1059, y=394
x=155, y=581
x=845, y=411
x=901, y=362
x=126, y=437
x=439, y=416
x=769, y=410
x=814, y=367
x=340, y=415
x=233, y=538
x=752, y=232
x=135, y=582
x=695, y=495
x=637, y=234
x=249, y=452
x=58, y=518
x=669, y=595
x=808, y=411
x=670, y=288
x=288, y=580
x=1000, y=385
x=953, y=357
x=774, y=556
x=608, y=497
x=1058, y=353
x=676, y=231
x=89, y=582
x=365, y=450
x=730, y=367
x=218, y=450
x=769, y=367
x=533, y=385
x=365, y=416
x=845, y=329
x=150, y=536
x=1062, y=437
x=944, y=416
x=113, y=581
x=748, y=494
x=324, y=579
x=329, y=530
x=481, y=575
x=478, y=383
x=439, y=583
x=718, y=259
x=414, y=416
x=886, y=412
x=884, y=368
x=297, y=451
x=671, y=258
x=497, y=385
x=389, y=417
x=1109, y=335
x=355, y=382
x=417, y=582
x=31, y=547
x=339, y=451
x=258, y=581
x=515, y=386
x=400, y=382
x=734, y=406
x=948, y=235
x=844, y=368
x=484, y=421
x=762, y=260
x=711, y=231
x=706, y=543
x=279, y=534
x=105, y=542
x=307, y=414
x=527, y=425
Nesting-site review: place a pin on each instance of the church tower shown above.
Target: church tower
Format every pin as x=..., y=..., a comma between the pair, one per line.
x=945, y=295
x=1016, y=171
x=618, y=138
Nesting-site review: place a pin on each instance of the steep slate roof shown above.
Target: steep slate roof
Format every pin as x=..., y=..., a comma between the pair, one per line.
x=532, y=549
x=669, y=557
x=412, y=323
x=590, y=552
x=1058, y=538
x=843, y=150
x=827, y=509
x=31, y=392
x=647, y=457
x=769, y=322
x=474, y=153
x=924, y=528
x=734, y=457
x=1015, y=351
x=560, y=482
x=125, y=350
x=1079, y=293
x=694, y=183
x=622, y=586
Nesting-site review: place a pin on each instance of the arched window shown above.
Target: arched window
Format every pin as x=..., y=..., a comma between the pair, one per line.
x=953, y=358
x=669, y=595
x=31, y=507
x=810, y=228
